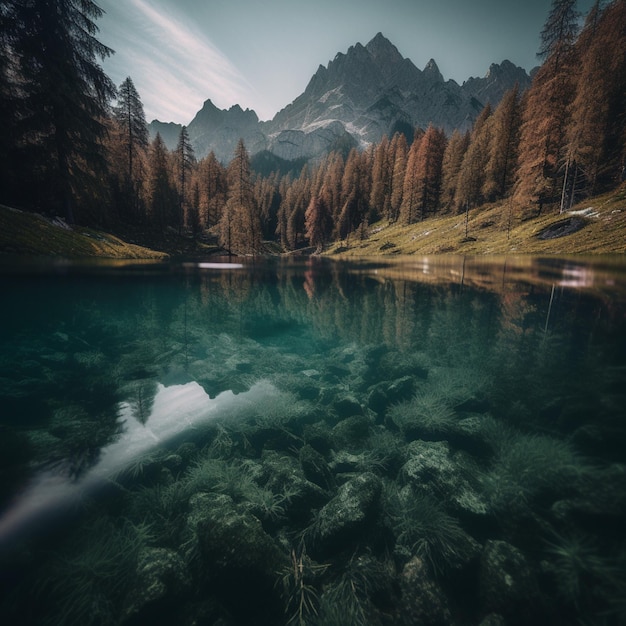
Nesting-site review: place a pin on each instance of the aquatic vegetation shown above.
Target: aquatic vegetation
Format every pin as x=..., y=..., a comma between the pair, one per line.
x=86, y=583
x=424, y=529
x=298, y=581
x=590, y=581
x=529, y=467
x=575, y=561
x=348, y=598
x=428, y=413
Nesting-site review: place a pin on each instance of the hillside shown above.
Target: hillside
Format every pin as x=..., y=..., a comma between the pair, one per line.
x=31, y=234
x=599, y=224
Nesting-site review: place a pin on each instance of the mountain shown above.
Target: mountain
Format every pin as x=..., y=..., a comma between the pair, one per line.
x=368, y=92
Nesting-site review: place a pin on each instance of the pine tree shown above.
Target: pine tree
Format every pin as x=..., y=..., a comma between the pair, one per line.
x=400, y=149
x=595, y=146
x=504, y=140
x=213, y=188
x=451, y=166
x=133, y=137
x=318, y=223
x=161, y=192
x=469, y=191
x=185, y=161
x=9, y=101
x=240, y=226
x=382, y=179
x=66, y=93
x=546, y=110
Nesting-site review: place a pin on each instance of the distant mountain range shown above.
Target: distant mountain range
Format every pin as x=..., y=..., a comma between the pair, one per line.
x=360, y=96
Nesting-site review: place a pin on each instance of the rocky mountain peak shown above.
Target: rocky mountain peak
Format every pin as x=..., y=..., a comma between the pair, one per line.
x=360, y=96
x=383, y=52
x=432, y=73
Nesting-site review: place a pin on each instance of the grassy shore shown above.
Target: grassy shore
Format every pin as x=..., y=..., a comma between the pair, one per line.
x=30, y=234
x=601, y=223
x=595, y=226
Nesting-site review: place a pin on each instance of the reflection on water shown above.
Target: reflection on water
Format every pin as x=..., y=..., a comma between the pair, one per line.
x=469, y=412
x=174, y=411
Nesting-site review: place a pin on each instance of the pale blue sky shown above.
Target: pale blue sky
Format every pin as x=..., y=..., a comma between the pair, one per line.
x=260, y=54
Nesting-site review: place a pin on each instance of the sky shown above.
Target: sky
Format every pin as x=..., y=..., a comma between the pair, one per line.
x=261, y=54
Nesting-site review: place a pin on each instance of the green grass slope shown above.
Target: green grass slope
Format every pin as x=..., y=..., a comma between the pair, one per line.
x=30, y=234
x=601, y=223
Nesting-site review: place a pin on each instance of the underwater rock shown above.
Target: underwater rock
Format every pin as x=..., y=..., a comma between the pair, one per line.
x=347, y=405
x=282, y=473
x=161, y=578
x=423, y=601
x=433, y=471
x=507, y=582
x=354, y=509
x=318, y=436
x=316, y=468
x=239, y=559
x=351, y=432
x=382, y=395
x=602, y=495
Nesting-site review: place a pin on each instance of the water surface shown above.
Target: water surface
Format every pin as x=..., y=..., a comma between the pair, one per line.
x=454, y=425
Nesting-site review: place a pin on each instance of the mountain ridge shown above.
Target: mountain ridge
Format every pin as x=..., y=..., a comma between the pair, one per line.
x=357, y=98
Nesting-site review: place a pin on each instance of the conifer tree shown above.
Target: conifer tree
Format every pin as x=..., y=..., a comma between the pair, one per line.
x=504, y=139
x=240, y=226
x=66, y=94
x=400, y=152
x=546, y=110
x=133, y=137
x=318, y=223
x=185, y=161
x=161, y=192
x=595, y=135
x=469, y=191
x=213, y=188
x=382, y=178
x=9, y=105
x=451, y=166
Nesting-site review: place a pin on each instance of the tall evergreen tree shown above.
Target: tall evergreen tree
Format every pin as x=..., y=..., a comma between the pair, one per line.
x=213, y=188
x=240, y=226
x=161, y=192
x=451, y=166
x=595, y=135
x=318, y=223
x=185, y=161
x=66, y=92
x=546, y=110
x=504, y=139
x=133, y=138
x=400, y=149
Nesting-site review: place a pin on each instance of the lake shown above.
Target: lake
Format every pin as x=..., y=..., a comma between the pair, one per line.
x=434, y=440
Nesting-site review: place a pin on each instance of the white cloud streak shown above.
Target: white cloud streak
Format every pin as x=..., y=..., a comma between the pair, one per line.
x=174, y=66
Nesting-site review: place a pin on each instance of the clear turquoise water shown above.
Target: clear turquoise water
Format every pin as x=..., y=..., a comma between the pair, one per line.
x=481, y=403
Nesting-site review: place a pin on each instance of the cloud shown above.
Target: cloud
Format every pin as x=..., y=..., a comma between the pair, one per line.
x=174, y=66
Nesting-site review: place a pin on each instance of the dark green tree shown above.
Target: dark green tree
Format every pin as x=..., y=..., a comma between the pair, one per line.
x=185, y=161
x=240, y=226
x=65, y=94
x=161, y=192
x=133, y=138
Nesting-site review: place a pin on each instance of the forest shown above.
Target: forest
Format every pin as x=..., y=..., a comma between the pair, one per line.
x=75, y=144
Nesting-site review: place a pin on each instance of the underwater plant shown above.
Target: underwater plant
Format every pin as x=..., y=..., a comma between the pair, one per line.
x=86, y=582
x=298, y=587
x=424, y=529
x=529, y=467
x=591, y=582
x=348, y=599
x=427, y=413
